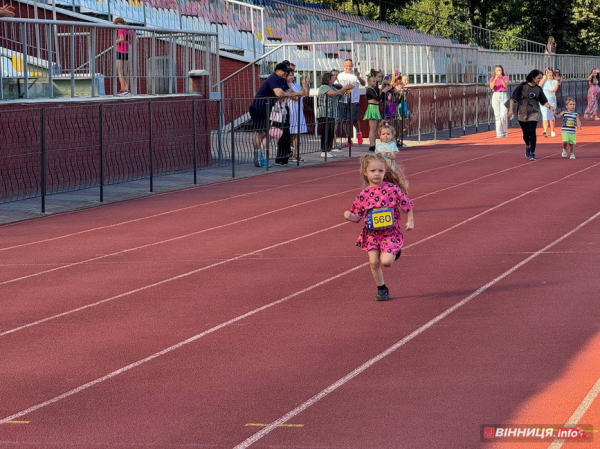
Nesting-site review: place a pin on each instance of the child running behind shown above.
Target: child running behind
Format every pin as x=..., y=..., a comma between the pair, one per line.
x=569, y=131
x=380, y=204
x=387, y=145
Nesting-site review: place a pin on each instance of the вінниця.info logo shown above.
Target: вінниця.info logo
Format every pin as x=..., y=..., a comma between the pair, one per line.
x=499, y=433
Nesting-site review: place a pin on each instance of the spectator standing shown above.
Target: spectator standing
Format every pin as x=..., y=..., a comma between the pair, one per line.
x=551, y=46
x=499, y=86
x=124, y=37
x=559, y=96
x=372, y=114
x=350, y=75
x=260, y=108
x=591, y=112
x=528, y=96
x=549, y=86
x=327, y=110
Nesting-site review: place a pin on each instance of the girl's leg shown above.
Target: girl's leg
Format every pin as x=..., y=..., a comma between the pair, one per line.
x=551, y=123
x=387, y=259
x=545, y=126
x=503, y=114
x=375, y=265
x=372, y=132
x=120, y=75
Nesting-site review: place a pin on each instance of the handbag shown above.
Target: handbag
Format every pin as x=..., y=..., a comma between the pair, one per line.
x=275, y=132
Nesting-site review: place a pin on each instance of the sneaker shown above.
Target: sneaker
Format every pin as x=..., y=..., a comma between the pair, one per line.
x=123, y=92
x=532, y=156
x=382, y=295
x=329, y=154
x=527, y=152
x=359, y=138
x=544, y=133
x=564, y=153
x=337, y=150
x=552, y=134
x=398, y=255
x=572, y=156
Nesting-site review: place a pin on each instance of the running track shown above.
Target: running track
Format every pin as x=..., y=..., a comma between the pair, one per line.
x=241, y=314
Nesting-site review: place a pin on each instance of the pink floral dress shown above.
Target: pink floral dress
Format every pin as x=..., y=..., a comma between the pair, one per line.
x=386, y=194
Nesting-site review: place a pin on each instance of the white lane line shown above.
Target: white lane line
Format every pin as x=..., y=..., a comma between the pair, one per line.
x=165, y=281
x=182, y=209
x=8, y=281
x=579, y=412
x=68, y=312
x=325, y=392
x=344, y=380
x=99, y=228
x=171, y=348
x=160, y=242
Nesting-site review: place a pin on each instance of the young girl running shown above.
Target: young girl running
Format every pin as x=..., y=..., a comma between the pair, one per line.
x=380, y=203
x=387, y=146
x=372, y=113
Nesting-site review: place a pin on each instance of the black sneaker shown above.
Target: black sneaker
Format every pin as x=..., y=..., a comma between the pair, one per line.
x=527, y=152
x=382, y=295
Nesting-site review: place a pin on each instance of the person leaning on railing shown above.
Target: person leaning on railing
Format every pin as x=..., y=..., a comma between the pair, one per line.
x=7, y=11
x=327, y=110
x=274, y=86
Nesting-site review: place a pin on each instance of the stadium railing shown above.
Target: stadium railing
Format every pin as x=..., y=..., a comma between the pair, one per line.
x=76, y=59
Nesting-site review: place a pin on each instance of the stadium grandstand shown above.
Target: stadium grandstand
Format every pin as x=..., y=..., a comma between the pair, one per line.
x=194, y=67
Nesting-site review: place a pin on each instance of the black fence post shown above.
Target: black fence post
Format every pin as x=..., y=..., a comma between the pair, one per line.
x=43, y=159
x=150, y=146
x=449, y=112
x=350, y=124
x=194, y=142
x=298, y=121
x=233, y=138
x=267, y=155
x=101, y=152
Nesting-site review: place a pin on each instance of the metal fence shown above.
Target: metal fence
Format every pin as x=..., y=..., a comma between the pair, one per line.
x=54, y=149
x=53, y=59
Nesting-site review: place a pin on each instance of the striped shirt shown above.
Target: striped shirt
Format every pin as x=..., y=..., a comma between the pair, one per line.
x=569, y=122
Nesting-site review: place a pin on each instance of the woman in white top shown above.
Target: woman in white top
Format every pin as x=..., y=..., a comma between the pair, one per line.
x=549, y=85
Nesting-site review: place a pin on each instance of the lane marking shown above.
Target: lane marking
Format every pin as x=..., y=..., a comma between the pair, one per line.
x=258, y=251
x=103, y=256
x=265, y=425
x=579, y=412
x=209, y=202
x=18, y=422
x=325, y=392
x=344, y=380
x=160, y=242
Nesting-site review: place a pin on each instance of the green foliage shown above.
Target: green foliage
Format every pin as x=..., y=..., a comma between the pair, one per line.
x=575, y=24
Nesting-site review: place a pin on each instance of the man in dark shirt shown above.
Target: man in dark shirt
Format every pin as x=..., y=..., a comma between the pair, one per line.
x=274, y=86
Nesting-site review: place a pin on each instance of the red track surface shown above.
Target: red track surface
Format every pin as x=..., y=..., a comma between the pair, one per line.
x=201, y=317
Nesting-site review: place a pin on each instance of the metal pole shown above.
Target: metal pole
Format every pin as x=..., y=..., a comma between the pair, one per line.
x=449, y=112
x=300, y=99
x=194, y=143
x=233, y=138
x=150, y=146
x=101, y=153
x=267, y=140
x=43, y=159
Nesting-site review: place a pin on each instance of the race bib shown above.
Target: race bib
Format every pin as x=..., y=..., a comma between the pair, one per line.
x=380, y=218
x=570, y=123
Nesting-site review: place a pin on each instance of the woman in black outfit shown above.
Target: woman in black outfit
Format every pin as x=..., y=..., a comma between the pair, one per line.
x=528, y=96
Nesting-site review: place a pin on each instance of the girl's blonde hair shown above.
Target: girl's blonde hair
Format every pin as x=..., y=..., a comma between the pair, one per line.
x=392, y=176
x=386, y=124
